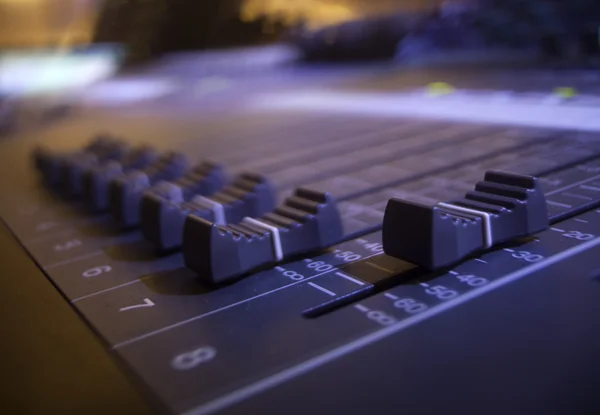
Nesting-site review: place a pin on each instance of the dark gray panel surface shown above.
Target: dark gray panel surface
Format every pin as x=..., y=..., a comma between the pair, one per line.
x=53, y=362
x=513, y=330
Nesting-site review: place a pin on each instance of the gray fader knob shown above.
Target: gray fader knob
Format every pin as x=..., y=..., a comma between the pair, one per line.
x=125, y=193
x=504, y=206
x=307, y=221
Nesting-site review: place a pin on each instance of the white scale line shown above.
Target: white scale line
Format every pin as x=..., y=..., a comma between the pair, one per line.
x=43, y=238
x=307, y=260
x=424, y=285
x=323, y=289
x=71, y=260
x=105, y=291
x=391, y=296
x=592, y=188
x=361, y=308
x=349, y=278
x=574, y=196
x=480, y=260
x=580, y=220
x=218, y=310
x=564, y=205
x=453, y=272
x=269, y=382
x=508, y=250
x=570, y=186
x=364, y=241
x=557, y=230
x=280, y=269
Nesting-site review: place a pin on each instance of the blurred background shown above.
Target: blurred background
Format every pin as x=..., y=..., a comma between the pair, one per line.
x=46, y=44
x=49, y=46
x=56, y=45
x=60, y=23
x=47, y=23
x=134, y=31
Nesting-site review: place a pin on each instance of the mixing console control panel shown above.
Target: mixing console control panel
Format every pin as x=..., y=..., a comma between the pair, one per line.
x=225, y=282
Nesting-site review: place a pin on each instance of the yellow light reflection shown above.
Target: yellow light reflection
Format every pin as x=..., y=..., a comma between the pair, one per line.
x=313, y=13
x=566, y=92
x=440, y=89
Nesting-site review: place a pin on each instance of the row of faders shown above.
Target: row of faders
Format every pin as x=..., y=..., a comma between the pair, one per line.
x=165, y=209
x=225, y=231
x=59, y=166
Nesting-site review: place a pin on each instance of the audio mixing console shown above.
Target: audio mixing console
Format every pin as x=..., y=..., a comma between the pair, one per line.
x=326, y=263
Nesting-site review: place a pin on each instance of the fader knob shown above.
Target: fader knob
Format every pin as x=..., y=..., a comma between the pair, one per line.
x=306, y=221
x=125, y=193
x=502, y=207
x=96, y=181
x=164, y=214
x=50, y=162
x=73, y=172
